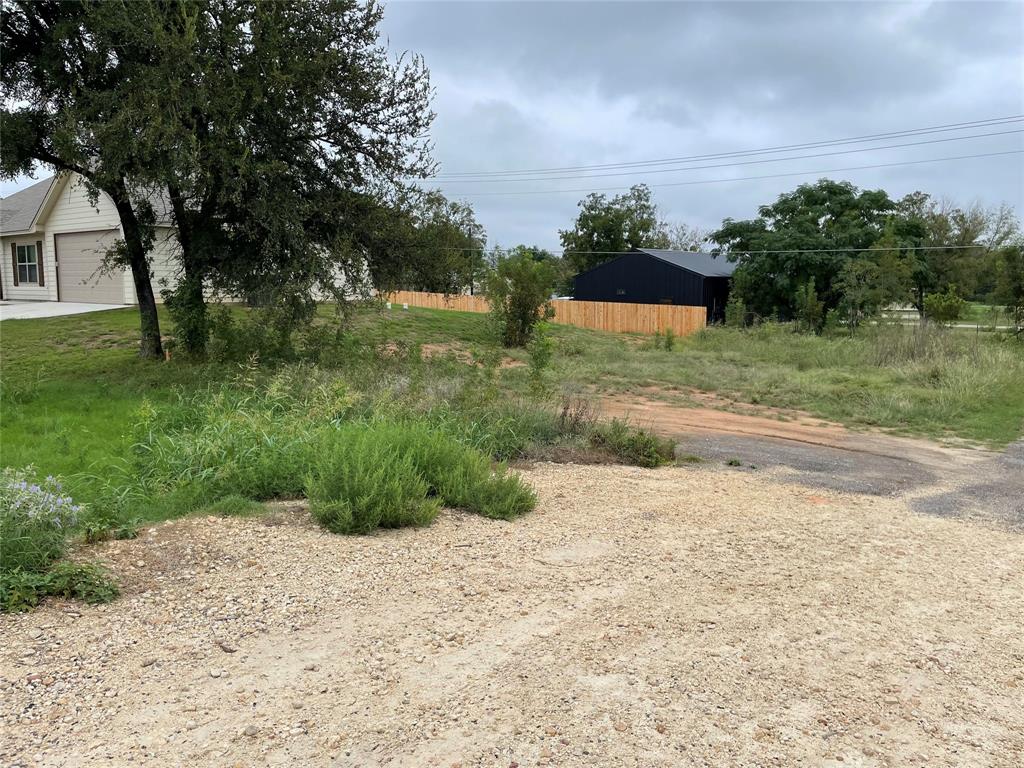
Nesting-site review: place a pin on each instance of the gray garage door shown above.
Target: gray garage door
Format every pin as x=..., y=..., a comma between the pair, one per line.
x=80, y=255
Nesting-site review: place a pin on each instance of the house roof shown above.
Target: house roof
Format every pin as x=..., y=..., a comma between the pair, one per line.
x=704, y=264
x=18, y=211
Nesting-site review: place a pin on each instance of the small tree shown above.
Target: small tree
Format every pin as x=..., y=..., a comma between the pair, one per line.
x=810, y=310
x=860, y=293
x=518, y=289
x=944, y=308
x=541, y=349
x=1010, y=285
x=735, y=311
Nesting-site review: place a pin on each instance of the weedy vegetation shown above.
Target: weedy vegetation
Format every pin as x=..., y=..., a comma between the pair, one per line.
x=357, y=419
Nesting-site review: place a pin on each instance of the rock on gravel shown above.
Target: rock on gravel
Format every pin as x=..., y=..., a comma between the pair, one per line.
x=671, y=617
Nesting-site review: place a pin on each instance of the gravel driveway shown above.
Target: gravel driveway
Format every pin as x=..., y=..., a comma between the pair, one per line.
x=682, y=616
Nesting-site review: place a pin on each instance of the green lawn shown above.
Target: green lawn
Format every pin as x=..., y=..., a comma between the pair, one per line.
x=71, y=385
x=942, y=384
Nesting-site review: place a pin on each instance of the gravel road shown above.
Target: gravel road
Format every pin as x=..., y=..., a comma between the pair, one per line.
x=685, y=616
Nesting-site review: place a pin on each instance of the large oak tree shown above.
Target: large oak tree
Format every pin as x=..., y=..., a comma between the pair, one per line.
x=278, y=132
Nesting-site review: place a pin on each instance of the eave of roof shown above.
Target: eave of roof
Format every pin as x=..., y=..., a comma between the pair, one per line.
x=19, y=212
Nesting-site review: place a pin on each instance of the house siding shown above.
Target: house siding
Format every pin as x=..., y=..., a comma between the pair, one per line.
x=27, y=292
x=67, y=210
x=72, y=211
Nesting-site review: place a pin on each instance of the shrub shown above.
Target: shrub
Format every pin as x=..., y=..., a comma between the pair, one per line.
x=541, y=348
x=576, y=416
x=810, y=310
x=518, y=289
x=735, y=311
x=248, y=438
x=34, y=520
x=360, y=483
x=944, y=308
x=391, y=474
x=670, y=339
x=88, y=582
x=631, y=444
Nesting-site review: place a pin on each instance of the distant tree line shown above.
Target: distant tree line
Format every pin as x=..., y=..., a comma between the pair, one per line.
x=829, y=249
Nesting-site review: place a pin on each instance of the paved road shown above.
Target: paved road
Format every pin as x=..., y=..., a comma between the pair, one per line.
x=935, y=479
x=28, y=310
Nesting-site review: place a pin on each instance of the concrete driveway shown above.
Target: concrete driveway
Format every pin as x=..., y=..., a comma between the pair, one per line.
x=28, y=310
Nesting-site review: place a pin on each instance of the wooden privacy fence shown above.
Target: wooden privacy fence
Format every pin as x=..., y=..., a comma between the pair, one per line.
x=618, y=317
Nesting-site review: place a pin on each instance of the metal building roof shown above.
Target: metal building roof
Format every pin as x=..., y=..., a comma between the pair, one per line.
x=700, y=263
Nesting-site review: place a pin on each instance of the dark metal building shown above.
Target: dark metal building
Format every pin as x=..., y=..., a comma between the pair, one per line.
x=653, y=276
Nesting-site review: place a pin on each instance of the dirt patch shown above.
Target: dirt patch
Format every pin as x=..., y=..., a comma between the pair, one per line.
x=672, y=420
x=463, y=355
x=460, y=353
x=681, y=616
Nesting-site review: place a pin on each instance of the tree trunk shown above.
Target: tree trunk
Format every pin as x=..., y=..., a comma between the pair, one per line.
x=189, y=303
x=150, y=346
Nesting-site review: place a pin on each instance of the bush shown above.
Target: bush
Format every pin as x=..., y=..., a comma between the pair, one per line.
x=247, y=438
x=810, y=310
x=34, y=520
x=541, y=348
x=518, y=289
x=735, y=311
x=944, y=308
x=361, y=483
x=631, y=444
x=398, y=474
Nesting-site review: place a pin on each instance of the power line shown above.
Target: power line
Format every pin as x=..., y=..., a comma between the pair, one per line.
x=745, y=162
x=782, y=148
x=564, y=251
x=744, y=178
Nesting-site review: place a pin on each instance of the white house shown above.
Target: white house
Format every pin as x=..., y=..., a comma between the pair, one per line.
x=53, y=241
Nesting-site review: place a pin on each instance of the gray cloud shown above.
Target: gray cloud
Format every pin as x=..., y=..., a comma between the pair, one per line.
x=527, y=85
x=523, y=85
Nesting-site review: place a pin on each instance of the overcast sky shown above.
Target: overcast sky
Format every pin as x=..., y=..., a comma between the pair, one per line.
x=542, y=85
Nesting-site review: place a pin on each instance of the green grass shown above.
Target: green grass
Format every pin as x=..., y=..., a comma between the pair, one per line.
x=72, y=386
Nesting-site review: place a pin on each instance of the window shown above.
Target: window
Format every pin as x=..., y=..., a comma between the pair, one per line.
x=28, y=264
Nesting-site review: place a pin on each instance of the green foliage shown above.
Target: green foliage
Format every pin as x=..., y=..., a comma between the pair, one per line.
x=34, y=519
x=440, y=242
x=1010, y=285
x=397, y=474
x=944, y=308
x=189, y=314
x=541, y=348
x=518, y=290
x=861, y=297
x=735, y=311
x=21, y=590
x=606, y=227
x=247, y=437
x=632, y=444
x=359, y=483
x=974, y=236
x=809, y=308
x=669, y=340
x=775, y=252
x=282, y=160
